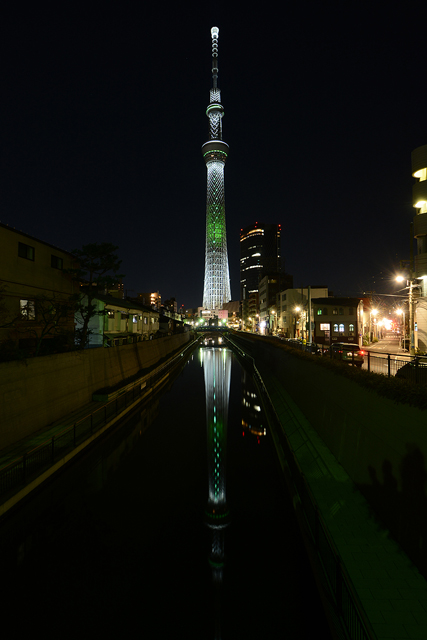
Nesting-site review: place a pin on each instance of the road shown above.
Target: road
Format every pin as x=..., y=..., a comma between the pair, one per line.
x=379, y=351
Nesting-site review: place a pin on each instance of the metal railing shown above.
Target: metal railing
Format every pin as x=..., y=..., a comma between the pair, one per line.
x=34, y=462
x=387, y=364
x=337, y=579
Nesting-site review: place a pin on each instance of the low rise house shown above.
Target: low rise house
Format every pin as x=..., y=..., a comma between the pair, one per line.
x=292, y=310
x=338, y=320
x=35, y=292
x=119, y=322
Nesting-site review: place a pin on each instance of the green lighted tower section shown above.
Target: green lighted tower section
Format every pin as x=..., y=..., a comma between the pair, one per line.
x=215, y=151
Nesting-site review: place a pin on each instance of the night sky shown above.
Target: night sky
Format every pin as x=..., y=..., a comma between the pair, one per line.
x=103, y=118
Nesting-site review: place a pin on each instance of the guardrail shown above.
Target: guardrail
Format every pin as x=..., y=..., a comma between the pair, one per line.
x=32, y=463
x=384, y=363
x=339, y=583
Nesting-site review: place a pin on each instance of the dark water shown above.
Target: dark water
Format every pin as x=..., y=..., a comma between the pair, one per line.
x=124, y=543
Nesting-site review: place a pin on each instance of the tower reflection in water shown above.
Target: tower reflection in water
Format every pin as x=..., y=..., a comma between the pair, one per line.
x=216, y=362
x=217, y=372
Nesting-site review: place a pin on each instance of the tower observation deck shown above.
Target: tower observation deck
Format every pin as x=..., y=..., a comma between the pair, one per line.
x=217, y=280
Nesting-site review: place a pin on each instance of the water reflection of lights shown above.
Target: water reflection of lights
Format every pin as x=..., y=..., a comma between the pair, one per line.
x=252, y=417
x=217, y=373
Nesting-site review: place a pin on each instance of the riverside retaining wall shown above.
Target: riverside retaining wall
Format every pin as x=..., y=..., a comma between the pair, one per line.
x=381, y=444
x=38, y=391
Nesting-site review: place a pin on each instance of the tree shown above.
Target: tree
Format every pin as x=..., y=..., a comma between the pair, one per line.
x=98, y=270
x=50, y=314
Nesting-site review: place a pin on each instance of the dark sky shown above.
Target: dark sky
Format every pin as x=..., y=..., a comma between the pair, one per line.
x=103, y=118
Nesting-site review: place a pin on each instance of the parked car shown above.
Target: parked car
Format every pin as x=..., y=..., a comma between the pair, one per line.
x=347, y=352
x=415, y=370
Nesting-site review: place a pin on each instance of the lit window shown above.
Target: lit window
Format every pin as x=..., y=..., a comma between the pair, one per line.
x=27, y=309
x=351, y=329
x=336, y=328
x=319, y=312
x=335, y=311
x=341, y=328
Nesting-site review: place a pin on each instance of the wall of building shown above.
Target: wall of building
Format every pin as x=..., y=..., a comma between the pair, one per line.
x=38, y=391
x=27, y=275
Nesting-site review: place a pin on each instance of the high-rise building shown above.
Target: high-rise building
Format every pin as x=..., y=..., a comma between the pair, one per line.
x=217, y=280
x=259, y=255
x=419, y=200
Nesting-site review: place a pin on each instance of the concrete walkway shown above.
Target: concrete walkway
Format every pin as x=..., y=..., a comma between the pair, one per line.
x=390, y=588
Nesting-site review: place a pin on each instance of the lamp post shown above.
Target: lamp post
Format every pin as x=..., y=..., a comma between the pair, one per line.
x=372, y=333
x=401, y=312
x=297, y=310
x=410, y=284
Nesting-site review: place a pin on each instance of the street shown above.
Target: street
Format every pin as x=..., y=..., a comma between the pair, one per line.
x=379, y=355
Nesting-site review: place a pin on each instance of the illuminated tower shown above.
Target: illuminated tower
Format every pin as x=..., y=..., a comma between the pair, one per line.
x=217, y=281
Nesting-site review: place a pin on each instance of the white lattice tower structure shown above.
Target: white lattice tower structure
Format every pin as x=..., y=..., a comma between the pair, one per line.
x=215, y=151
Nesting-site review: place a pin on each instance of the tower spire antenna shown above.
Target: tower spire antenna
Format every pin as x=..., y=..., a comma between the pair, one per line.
x=217, y=281
x=215, y=36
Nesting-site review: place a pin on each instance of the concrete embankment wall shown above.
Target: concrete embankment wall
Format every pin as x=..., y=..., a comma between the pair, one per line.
x=38, y=391
x=381, y=444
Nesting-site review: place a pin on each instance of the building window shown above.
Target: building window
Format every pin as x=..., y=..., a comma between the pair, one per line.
x=25, y=251
x=27, y=309
x=335, y=311
x=145, y=320
x=324, y=326
x=351, y=329
x=341, y=311
x=336, y=328
x=341, y=328
x=325, y=311
x=319, y=312
x=56, y=263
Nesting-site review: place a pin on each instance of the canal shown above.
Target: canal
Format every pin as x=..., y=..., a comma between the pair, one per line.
x=176, y=522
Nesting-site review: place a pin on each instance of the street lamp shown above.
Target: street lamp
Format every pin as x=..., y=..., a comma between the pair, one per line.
x=273, y=321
